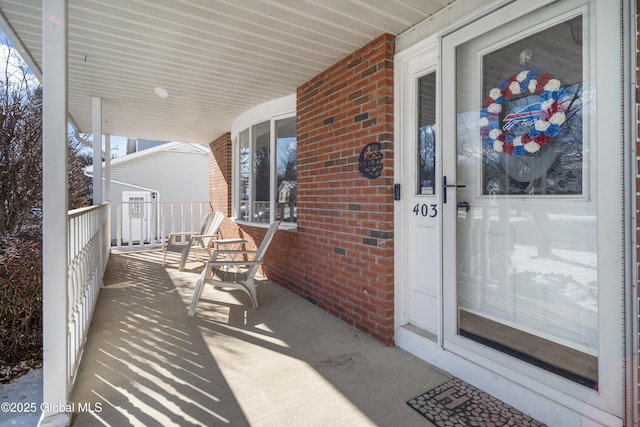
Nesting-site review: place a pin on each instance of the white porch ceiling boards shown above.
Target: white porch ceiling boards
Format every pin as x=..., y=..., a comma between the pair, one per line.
x=215, y=58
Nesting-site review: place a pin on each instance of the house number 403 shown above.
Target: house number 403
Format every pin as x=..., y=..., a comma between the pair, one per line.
x=426, y=210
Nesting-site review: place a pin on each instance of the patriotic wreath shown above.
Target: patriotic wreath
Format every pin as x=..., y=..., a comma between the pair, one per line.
x=545, y=116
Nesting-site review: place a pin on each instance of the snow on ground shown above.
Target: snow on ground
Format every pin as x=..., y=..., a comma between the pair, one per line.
x=20, y=400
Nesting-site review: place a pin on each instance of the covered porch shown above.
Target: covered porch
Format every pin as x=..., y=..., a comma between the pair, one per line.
x=146, y=362
x=338, y=81
x=182, y=71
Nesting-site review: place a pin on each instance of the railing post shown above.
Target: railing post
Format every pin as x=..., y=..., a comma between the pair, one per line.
x=96, y=106
x=55, y=221
x=119, y=225
x=107, y=168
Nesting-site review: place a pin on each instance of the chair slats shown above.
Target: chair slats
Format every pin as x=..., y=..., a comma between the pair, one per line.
x=228, y=275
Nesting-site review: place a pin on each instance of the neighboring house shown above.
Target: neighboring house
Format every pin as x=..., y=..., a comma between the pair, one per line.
x=135, y=145
x=287, y=196
x=163, y=173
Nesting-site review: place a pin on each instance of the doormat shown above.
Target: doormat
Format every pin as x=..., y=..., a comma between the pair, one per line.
x=458, y=404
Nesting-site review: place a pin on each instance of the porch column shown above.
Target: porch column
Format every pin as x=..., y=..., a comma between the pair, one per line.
x=55, y=204
x=96, y=123
x=107, y=168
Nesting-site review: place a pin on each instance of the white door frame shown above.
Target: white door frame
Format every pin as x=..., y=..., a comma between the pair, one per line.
x=417, y=260
x=512, y=384
x=141, y=226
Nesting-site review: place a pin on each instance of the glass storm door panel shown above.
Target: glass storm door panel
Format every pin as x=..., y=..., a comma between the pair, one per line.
x=527, y=233
x=525, y=200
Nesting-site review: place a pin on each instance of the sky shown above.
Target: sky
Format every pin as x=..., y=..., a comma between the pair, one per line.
x=118, y=145
x=14, y=71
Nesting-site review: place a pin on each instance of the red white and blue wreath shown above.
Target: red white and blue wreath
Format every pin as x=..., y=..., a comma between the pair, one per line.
x=544, y=117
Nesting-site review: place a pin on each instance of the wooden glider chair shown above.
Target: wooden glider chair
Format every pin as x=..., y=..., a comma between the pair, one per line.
x=187, y=242
x=225, y=270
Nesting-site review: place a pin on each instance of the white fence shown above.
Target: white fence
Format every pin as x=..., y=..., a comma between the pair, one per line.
x=140, y=224
x=94, y=231
x=88, y=255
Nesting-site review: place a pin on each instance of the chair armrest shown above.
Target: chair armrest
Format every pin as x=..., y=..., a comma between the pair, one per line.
x=190, y=235
x=179, y=238
x=181, y=233
x=229, y=241
x=232, y=252
x=222, y=263
x=185, y=234
x=225, y=243
x=200, y=236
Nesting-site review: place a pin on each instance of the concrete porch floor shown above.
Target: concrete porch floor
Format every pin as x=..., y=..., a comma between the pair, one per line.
x=146, y=362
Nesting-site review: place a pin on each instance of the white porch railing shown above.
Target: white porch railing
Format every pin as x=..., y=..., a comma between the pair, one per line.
x=88, y=255
x=93, y=231
x=140, y=224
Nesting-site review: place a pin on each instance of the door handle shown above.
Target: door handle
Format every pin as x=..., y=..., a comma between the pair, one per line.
x=445, y=186
x=464, y=205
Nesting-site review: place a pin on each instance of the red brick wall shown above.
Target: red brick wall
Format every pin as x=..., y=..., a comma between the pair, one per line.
x=220, y=173
x=220, y=181
x=341, y=256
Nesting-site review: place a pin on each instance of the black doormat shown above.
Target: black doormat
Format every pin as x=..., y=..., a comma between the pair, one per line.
x=456, y=403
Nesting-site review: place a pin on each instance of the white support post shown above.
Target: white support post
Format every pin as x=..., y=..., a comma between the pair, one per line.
x=107, y=186
x=106, y=196
x=107, y=168
x=96, y=123
x=55, y=208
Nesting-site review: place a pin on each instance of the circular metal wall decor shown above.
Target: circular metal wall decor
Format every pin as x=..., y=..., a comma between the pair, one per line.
x=370, y=161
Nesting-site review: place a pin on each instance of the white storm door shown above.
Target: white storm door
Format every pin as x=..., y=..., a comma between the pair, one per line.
x=532, y=243
x=419, y=260
x=135, y=216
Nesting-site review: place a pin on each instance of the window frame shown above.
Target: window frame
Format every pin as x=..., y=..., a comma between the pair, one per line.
x=236, y=178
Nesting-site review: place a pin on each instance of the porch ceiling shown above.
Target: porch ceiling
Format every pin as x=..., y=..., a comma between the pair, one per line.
x=214, y=58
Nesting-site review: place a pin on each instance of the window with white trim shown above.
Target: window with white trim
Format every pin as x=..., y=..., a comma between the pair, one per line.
x=266, y=171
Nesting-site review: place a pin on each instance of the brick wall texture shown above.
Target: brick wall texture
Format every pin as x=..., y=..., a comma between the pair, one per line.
x=220, y=182
x=341, y=255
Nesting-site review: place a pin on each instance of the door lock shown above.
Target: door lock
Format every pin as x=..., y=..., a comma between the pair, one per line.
x=445, y=186
x=464, y=205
